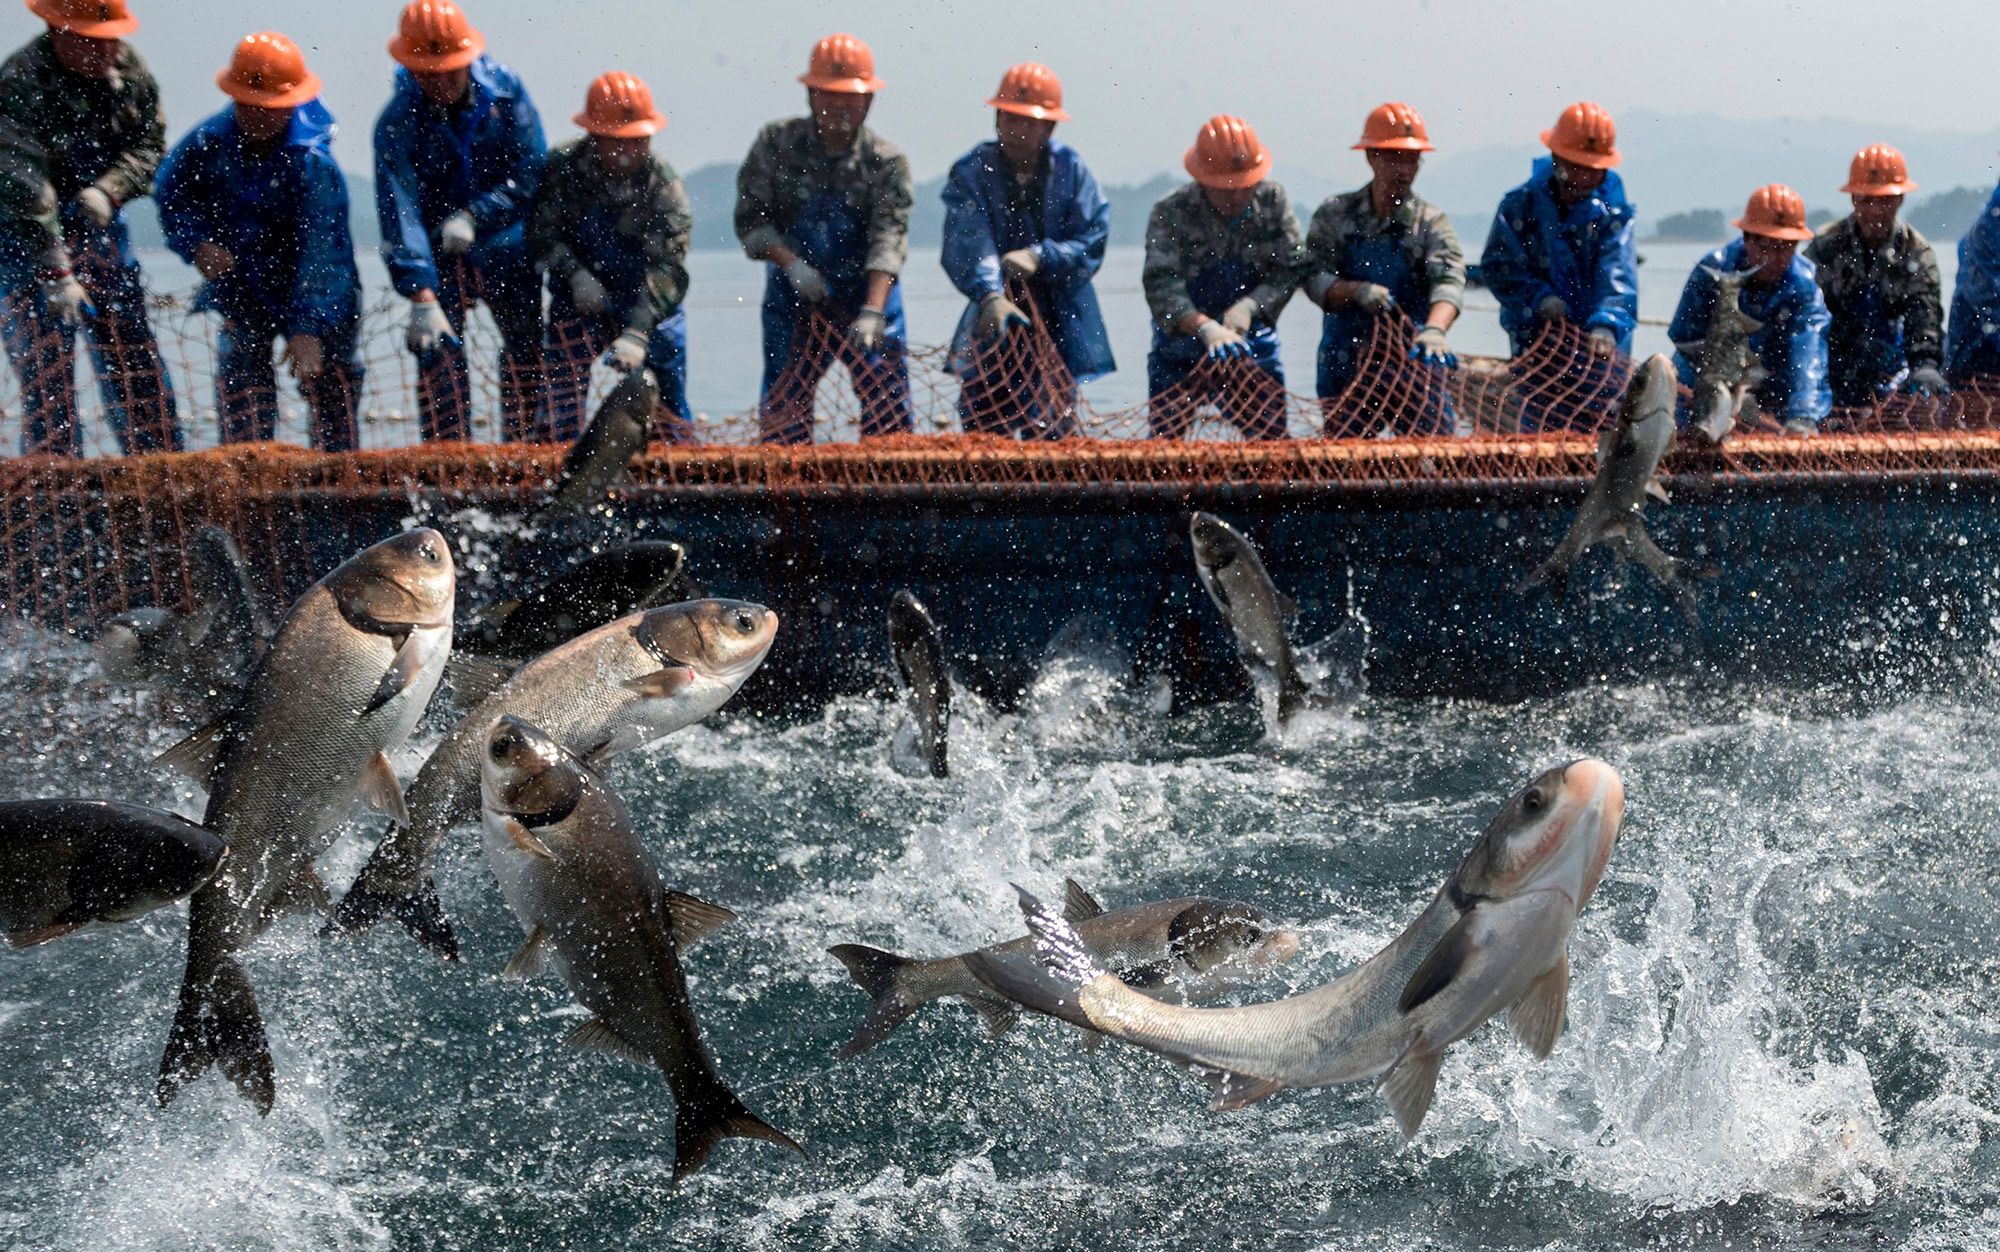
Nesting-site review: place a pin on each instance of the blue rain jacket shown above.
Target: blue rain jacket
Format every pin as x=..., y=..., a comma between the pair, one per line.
x=981, y=222
x=1586, y=256
x=1791, y=343
x=486, y=159
x=282, y=216
x=1972, y=337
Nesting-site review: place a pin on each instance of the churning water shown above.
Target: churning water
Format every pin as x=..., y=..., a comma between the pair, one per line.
x=1781, y=1028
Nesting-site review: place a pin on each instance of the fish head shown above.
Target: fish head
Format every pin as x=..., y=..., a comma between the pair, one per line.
x=397, y=585
x=126, y=873
x=908, y=619
x=1556, y=834
x=1216, y=542
x=1211, y=934
x=1651, y=394
x=722, y=640
x=525, y=773
x=135, y=646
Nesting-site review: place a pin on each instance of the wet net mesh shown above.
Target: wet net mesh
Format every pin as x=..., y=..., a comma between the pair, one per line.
x=85, y=537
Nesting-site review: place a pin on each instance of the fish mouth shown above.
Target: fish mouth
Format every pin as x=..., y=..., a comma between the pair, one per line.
x=1593, y=798
x=1278, y=948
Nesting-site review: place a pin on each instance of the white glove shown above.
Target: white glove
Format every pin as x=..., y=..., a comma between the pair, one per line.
x=1602, y=343
x=428, y=327
x=68, y=302
x=628, y=351
x=997, y=317
x=1220, y=342
x=1372, y=298
x=807, y=281
x=96, y=206
x=586, y=292
x=1020, y=263
x=1238, y=316
x=306, y=356
x=455, y=236
x=865, y=332
x=1925, y=380
x=1802, y=426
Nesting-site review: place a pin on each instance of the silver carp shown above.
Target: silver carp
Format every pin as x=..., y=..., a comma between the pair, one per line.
x=1728, y=370
x=604, y=586
x=67, y=863
x=573, y=871
x=345, y=680
x=613, y=690
x=619, y=430
x=1256, y=611
x=1192, y=947
x=919, y=654
x=1493, y=940
x=201, y=659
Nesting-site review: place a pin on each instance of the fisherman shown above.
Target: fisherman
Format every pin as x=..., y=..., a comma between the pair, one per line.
x=611, y=227
x=1024, y=232
x=254, y=200
x=1223, y=254
x=81, y=133
x=1384, y=251
x=1972, y=341
x=825, y=203
x=1781, y=298
x=1880, y=281
x=458, y=155
x=1561, y=251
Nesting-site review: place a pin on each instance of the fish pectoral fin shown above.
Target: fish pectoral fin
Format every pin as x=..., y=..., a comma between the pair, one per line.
x=596, y=1035
x=999, y=1015
x=1442, y=965
x=305, y=893
x=1657, y=491
x=1234, y=1091
x=610, y=748
x=29, y=937
x=662, y=684
x=690, y=918
x=1537, y=1017
x=382, y=791
x=200, y=753
x=499, y=611
x=1078, y=905
x=532, y=958
x=1409, y=1086
x=1092, y=1040
x=401, y=675
x=473, y=678
x=525, y=840
x=1148, y=977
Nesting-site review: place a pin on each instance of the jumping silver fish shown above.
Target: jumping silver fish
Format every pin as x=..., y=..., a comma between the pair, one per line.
x=562, y=846
x=67, y=863
x=604, y=586
x=1494, y=939
x=1193, y=947
x=199, y=660
x=345, y=680
x=1251, y=603
x=919, y=653
x=1628, y=458
x=1729, y=371
x=613, y=690
x=618, y=431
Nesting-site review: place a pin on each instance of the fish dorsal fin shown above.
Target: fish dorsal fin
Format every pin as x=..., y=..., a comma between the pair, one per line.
x=532, y=960
x=1440, y=967
x=1288, y=608
x=1655, y=489
x=661, y=684
x=1537, y=1017
x=401, y=675
x=1235, y=1091
x=1078, y=905
x=596, y=1035
x=382, y=791
x=691, y=918
x=473, y=678
x=1409, y=1087
x=525, y=840
x=200, y=754
x=305, y=893
x=999, y=1015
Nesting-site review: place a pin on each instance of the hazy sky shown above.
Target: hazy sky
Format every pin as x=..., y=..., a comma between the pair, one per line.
x=1141, y=77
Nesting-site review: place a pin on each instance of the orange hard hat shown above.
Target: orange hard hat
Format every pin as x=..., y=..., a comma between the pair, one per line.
x=1030, y=89
x=93, y=19
x=269, y=71
x=1776, y=212
x=1584, y=135
x=1878, y=170
x=620, y=106
x=1395, y=126
x=1228, y=155
x=434, y=36
x=842, y=63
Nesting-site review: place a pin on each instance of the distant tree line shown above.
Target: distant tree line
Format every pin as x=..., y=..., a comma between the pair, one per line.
x=1943, y=216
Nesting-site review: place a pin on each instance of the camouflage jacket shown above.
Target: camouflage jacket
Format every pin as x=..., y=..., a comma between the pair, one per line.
x=788, y=166
x=61, y=132
x=1870, y=290
x=631, y=233
x=1419, y=230
x=1185, y=236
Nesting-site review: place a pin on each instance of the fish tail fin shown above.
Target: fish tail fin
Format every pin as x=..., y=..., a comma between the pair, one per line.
x=1293, y=695
x=880, y=974
x=1048, y=981
x=1552, y=574
x=420, y=912
x=1409, y=1087
x=701, y=1121
x=217, y=1023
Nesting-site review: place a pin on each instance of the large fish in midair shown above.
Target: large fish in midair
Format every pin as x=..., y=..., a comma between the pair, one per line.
x=345, y=680
x=605, y=585
x=919, y=654
x=200, y=659
x=573, y=871
x=615, y=689
x=618, y=431
x=67, y=863
x=1256, y=611
x=1728, y=370
x=1192, y=947
x=1628, y=458
x=1494, y=940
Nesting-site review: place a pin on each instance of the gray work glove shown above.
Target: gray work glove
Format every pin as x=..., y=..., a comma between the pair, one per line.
x=307, y=357
x=586, y=293
x=1020, y=263
x=1221, y=343
x=998, y=316
x=627, y=352
x=1431, y=348
x=1925, y=380
x=1551, y=309
x=428, y=327
x=1238, y=316
x=1802, y=426
x=96, y=206
x=1372, y=298
x=807, y=281
x=867, y=330
x=67, y=301
x=1602, y=343
x=456, y=234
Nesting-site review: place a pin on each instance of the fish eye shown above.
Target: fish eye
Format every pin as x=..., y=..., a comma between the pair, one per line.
x=504, y=745
x=1532, y=801
x=745, y=624
x=1251, y=934
x=428, y=550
